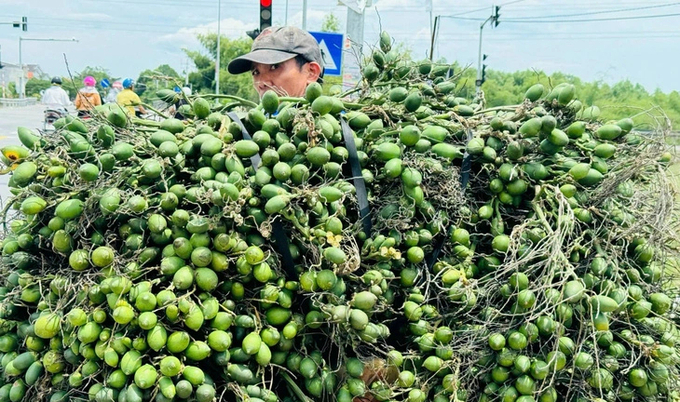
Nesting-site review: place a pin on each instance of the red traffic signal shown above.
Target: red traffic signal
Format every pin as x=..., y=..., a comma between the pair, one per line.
x=265, y=14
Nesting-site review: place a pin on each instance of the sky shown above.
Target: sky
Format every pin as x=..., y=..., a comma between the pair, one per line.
x=606, y=40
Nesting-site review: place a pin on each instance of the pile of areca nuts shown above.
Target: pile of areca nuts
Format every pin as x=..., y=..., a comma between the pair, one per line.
x=408, y=245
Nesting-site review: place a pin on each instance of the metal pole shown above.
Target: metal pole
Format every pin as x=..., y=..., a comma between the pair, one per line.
x=186, y=73
x=304, y=15
x=21, y=64
x=429, y=4
x=217, y=62
x=479, y=57
x=286, y=20
x=434, y=33
x=351, y=64
x=21, y=76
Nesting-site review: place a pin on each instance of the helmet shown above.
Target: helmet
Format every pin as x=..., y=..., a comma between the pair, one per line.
x=56, y=80
x=128, y=83
x=89, y=81
x=117, y=84
x=187, y=91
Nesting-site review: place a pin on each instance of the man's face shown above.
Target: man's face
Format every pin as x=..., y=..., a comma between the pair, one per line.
x=286, y=79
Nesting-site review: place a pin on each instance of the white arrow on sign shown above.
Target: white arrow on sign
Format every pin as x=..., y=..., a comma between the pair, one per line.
x=328, y=62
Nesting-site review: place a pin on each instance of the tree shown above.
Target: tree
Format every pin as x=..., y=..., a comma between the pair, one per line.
x=35, y=85
x=203, y=80
x=99, y=73
x=330, y=23
x=616, y=101
x=162, y=77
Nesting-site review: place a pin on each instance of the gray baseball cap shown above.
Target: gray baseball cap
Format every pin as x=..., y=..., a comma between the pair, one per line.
x=276, y=45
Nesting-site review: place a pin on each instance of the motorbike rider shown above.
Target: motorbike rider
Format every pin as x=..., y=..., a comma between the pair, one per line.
x=55, y=97
x=88, y=97
x=129, y=99
x=116, y=87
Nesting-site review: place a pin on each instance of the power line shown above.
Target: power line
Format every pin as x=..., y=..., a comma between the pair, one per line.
x=99, y=22
x=637, y=17
x=596, y=12
x=510, y=2
x=103, y=28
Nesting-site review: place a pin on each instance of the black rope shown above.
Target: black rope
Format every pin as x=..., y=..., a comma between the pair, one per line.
x=279, y=234
x=359, y=183
x=464, y=179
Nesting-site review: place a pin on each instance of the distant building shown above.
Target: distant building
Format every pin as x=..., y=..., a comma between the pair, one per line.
x=12, y=73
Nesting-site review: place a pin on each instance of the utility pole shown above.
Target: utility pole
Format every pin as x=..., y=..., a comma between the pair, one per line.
x=286, y=20
x=186, y=72
x=304, y=15
x=21, y=64
x=351, y=65
x=494, y=20
x=428, y=7
x=217, y=61
x=435, y=27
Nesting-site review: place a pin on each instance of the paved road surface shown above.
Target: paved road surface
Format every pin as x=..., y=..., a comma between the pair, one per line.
x=10, y=119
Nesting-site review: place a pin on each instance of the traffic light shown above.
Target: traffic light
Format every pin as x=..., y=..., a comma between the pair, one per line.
x=483, y=73
x=265, y=14
x=24, y=24
x=496, y=15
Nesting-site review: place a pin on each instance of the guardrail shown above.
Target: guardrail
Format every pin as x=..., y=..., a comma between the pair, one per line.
x=9, y=102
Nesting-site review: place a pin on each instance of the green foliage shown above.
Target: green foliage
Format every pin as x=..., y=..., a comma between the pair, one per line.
x=330, y=23
x=616, y=101
x=35, y=85
x=162, y=77
x=203, y=80
x=11, y=90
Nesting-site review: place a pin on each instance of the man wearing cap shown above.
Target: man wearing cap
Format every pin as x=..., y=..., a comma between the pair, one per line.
x=284, y=59
x=129, y=99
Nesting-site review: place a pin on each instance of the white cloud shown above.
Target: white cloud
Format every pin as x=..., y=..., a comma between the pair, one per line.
x=186, y=37
x=314, y=19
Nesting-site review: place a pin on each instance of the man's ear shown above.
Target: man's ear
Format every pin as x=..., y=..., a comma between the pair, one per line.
x=313, y=71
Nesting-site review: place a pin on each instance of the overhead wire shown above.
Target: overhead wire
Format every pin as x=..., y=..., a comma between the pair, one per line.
x=597, y=12
x=634, y=17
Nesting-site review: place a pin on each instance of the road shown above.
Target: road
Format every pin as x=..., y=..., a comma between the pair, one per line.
x=10, y=119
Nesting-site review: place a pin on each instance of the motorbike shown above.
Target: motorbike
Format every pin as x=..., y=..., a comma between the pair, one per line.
x=50, y=116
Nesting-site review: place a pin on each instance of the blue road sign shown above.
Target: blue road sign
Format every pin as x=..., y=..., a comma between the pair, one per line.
x=331, y=50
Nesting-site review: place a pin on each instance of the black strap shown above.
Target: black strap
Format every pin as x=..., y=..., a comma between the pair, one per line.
x=464, y=179
x=255, y=159
x=359, y=184
x=467, y=163
x=279, y=234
